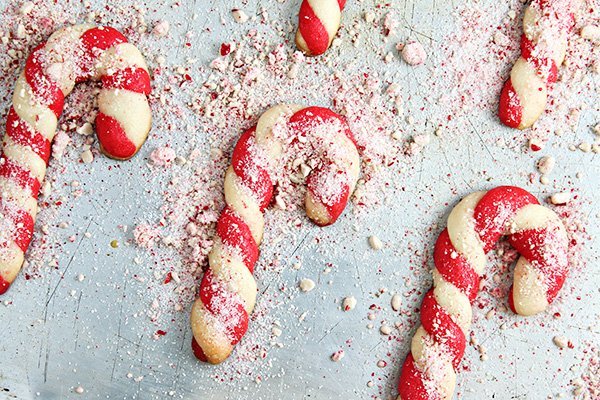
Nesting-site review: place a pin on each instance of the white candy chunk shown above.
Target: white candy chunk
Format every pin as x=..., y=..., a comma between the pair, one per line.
x=546, y=164
x=591, y=32
x=385, y=330
x=396, y=302
x=375, y=243
x=338, y=355
x=560, y=341
x=293, y=71
x=413, y=53
x=422, y=140
x=161, y=28
x=280, y=202
x=349, y=303
x=560, y=199
x=26, y=8
x=369, y=17
x=20, y=33
x=87, y=156
x=239, y=15
x=306, y=285
x=536, y=144
x=85, y=129
x=585, y=147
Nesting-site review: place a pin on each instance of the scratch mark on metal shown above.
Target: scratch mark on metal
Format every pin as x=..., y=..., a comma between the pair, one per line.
x=300, y=244
x=485, y=146
x=62, y=276
x=329, y=331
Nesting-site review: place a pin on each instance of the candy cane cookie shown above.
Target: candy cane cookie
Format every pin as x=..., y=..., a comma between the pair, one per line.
x=228, y=290
x=474, y=227
x=546, y=24
x=72, y=54
x=318, y=23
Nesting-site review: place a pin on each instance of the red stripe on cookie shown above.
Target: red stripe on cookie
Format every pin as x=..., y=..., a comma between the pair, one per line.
x=209, y=288
x=95, y=41
x=198, y=352
x=314, y=33
x=495, y=209
x=511, y=300
x=134, y=79
x=234, y=232
x=310, y=116
x=542, y=247
x=438, y=323
x=102, y=38
x=253, y=176
x=21, y=133
x=410, y=386
x=527, y=47
x=13, y=171
x=224, y=305
x=24, y=232
x=454, y=268
x=112, y=137
x=510, y=110
x=328, y=185
x=331, y=192
x=4, y=285
x=545, y=66
x=23, y=225
x=46, y=90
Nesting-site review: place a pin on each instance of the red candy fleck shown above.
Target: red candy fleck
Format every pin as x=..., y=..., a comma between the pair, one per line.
x=225, y=49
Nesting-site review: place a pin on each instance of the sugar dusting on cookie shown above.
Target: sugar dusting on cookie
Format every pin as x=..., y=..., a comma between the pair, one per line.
x=204, y=104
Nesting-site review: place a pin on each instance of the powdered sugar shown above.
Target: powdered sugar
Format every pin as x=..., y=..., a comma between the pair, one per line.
x=163, y=156
x=413, y=53
x=8, y=229
x=202, y=112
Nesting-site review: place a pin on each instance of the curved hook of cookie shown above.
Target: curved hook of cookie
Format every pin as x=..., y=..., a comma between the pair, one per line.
x=318, y=23
x=72, y=54
x=227, y=294
x=474, y=227
x=543, y=47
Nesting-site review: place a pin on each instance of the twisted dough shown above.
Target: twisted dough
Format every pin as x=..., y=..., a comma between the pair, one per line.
x=474, y=227
x=72, y=54
x=543, y=47
x=228, y=290
x=318, y=23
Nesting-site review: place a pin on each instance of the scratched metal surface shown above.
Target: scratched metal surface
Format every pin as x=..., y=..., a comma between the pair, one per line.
x=53, y=341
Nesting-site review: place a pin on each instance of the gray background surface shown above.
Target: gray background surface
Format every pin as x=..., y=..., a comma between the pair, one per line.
x=54, y=340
